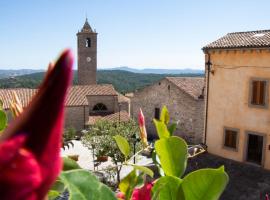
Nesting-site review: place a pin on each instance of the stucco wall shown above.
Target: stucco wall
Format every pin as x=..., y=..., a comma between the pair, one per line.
x=229, y=100
x=182, y=107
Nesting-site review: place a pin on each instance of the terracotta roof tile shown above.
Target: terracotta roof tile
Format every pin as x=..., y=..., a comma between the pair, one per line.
x=193, y=86
x=122, y=98
x=250, y=39
x=24, y=94
x=76, y=94
x=124, y=117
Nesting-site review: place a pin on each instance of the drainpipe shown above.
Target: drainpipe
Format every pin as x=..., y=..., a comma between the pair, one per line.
x=208, y=64
x=84, y=126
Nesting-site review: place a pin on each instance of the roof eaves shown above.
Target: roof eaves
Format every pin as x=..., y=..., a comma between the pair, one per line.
x=235, y=47
x=181, y=89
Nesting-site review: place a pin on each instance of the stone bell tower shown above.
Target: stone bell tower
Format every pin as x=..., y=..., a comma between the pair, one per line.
x=87, y=55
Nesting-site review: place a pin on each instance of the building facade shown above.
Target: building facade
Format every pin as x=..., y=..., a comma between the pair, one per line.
x=184, y=99
x=84, y=104
x=237, y=122
x=87, y=101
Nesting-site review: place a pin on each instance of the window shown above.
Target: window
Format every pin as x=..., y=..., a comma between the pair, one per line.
x=259, y=93
x=157, y=113
x=100, y=107
x=88, y=42
x=231, y=138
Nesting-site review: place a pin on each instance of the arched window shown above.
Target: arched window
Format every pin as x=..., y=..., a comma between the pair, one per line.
x=88, y=42
x=100, y=107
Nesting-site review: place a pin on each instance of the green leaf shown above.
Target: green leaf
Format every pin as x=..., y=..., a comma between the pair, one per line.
x=143, y=169
x=3, y=120
x=172, y=153
x=156, y=161
x=69, y=164
x=58, y=186
x=128, y=183
x=172, y=128
x=123, y=145
x=167, y=187
x=52, y=194
x=205, y=184
x=1, y=104
x=81, y=184
x=161, y=129
x=165, y=117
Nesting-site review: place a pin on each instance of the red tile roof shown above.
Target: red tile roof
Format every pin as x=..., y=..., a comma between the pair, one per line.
x=24, y=94
x=76, y=94
x=249, y=39
x=122, y=98
x=124, y=117
x=193, y=86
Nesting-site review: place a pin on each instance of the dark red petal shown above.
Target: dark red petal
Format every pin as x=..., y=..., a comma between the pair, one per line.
x=21, y=176
x=143, y=193
x=42, y=121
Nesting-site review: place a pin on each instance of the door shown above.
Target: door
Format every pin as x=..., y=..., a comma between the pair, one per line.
x=255, y=148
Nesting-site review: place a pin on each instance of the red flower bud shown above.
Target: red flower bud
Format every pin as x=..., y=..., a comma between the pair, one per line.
x=143, y=133
x=143, y=193
x=30, y=146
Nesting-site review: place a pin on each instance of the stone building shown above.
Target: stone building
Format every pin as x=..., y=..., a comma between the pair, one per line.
x=237, y=108
x=87, y=101
x=184, y=99
x=87, y=55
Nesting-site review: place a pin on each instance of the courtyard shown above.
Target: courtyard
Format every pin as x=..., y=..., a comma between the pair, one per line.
x=247, y=181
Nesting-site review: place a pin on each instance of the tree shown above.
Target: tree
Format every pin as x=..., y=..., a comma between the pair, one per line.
x=99, y=138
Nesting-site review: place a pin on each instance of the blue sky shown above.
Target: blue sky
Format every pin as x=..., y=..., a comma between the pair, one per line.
x=134, y=33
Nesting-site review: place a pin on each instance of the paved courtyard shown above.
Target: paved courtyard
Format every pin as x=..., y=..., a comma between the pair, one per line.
x=86, y=159
x=247, y=182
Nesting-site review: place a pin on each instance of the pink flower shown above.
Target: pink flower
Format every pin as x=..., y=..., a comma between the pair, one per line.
x=120, y=195
x=30, y=146
x=143, y=133
x=143, y=193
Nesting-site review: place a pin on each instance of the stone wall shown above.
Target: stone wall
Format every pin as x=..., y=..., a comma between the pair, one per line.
x=199, y=121
x=87, y=58
x=184, y=109
x=111, y=102
x=125, y=106
x=76, y=116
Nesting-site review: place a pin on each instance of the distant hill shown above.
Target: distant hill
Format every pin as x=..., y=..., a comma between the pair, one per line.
x=5, y=73
x=123, y=81
x=158, y=71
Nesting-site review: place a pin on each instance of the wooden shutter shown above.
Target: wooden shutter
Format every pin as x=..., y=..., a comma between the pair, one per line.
x=230, y=138
x=258, y=92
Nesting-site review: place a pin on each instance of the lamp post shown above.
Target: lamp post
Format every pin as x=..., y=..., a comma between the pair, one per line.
x=134, y=141
x=119, y=109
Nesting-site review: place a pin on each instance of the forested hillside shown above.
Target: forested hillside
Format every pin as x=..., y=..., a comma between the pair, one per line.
x=123, y=81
